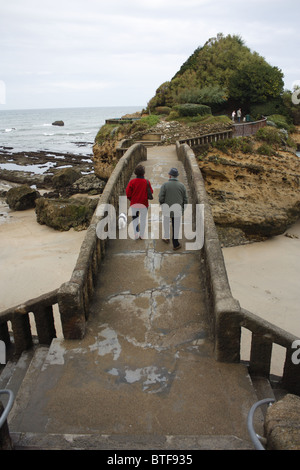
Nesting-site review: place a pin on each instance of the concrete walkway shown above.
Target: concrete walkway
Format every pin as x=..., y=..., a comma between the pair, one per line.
x=144, y=375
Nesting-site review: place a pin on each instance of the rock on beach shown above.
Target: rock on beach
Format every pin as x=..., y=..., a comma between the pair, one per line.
x=22, y=198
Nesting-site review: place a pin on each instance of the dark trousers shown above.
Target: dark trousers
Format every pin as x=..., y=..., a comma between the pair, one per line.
x=139, y=218
x=175, y=222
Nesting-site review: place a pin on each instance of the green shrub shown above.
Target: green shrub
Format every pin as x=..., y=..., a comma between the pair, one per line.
x=281, y=122
x=291, y=143
x=269, y=135
x=173, y=116
x=106, y=131
x=236, y=144
x=144, y=123
x=213, y=96
x=269, y=108
x=165, y=110
x=150, y=120
x=191, y=109
x=265, y=149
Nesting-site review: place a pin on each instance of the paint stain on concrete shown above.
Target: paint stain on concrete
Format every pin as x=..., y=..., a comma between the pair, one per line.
x=109, y=345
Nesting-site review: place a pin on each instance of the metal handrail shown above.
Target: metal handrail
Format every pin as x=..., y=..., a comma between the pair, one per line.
x=256, y=438
x=8, y=406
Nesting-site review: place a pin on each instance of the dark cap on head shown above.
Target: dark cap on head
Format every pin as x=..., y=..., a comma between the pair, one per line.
x=173, y=172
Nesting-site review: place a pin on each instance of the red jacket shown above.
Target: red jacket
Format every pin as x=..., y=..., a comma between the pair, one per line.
x=136, y=192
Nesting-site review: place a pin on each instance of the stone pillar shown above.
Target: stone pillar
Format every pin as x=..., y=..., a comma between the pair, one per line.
x=72, y=313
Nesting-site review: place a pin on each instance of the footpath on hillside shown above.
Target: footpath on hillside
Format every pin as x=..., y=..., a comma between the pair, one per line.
x=144, y=375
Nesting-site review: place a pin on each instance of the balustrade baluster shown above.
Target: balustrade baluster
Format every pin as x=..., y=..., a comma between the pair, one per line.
x=260, y=357
x=21, y=331
x=44, y=321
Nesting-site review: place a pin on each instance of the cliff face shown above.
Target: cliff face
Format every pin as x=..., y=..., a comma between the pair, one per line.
x=104, y=158
x=252, y=196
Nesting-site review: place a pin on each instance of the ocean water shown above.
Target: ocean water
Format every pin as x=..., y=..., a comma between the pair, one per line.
x=32, y=130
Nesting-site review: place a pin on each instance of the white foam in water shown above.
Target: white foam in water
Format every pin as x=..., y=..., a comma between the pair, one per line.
x=29, y=130
x=37, y=169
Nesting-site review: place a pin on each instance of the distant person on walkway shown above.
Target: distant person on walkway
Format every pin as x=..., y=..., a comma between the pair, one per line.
x=239, y=114
x=172, y=197
x=233, y=116
x=137, y=194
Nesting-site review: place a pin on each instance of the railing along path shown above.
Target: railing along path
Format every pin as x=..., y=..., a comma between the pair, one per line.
x=73, y=297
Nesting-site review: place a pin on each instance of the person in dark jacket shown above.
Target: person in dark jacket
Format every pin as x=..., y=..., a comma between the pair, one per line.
x=136, y=192
x=172, y=197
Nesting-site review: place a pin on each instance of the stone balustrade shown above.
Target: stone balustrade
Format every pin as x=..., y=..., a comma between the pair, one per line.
x=74, y=296
x=19, y=335
x=227, y=317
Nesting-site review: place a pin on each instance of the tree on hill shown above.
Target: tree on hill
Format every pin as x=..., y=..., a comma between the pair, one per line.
x=222, y=72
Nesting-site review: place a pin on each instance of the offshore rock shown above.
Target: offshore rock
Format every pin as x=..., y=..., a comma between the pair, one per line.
x=63, y=214
x=58, y=123
x=22, y=197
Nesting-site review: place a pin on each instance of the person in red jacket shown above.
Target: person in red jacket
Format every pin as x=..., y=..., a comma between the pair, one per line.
x=136, y=192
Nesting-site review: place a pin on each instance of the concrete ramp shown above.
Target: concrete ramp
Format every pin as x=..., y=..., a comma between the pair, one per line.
x=144, y=375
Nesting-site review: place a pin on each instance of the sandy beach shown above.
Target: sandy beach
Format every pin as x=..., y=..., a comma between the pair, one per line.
x=264, y=277
x=34, y=258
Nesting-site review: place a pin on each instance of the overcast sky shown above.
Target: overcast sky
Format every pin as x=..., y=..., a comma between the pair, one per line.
x=73, y=53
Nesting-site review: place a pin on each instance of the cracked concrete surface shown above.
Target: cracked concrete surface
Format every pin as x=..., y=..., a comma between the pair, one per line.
x=145, y=365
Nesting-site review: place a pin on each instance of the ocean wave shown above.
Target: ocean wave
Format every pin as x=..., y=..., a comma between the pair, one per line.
x=36, y=169
x=73, y=133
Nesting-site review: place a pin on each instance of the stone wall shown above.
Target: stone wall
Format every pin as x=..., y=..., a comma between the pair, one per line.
x=248, y=128
x=224, y=309
x=74, y=296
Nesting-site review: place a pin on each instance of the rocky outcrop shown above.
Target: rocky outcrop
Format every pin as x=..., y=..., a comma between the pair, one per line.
x=252, y=196
x=63, y=214
x=105, y=158
x=48, y=164
x=89, y=184
x=282, y=424
x=22, y=197
x=58, y=123
x=65, y=177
